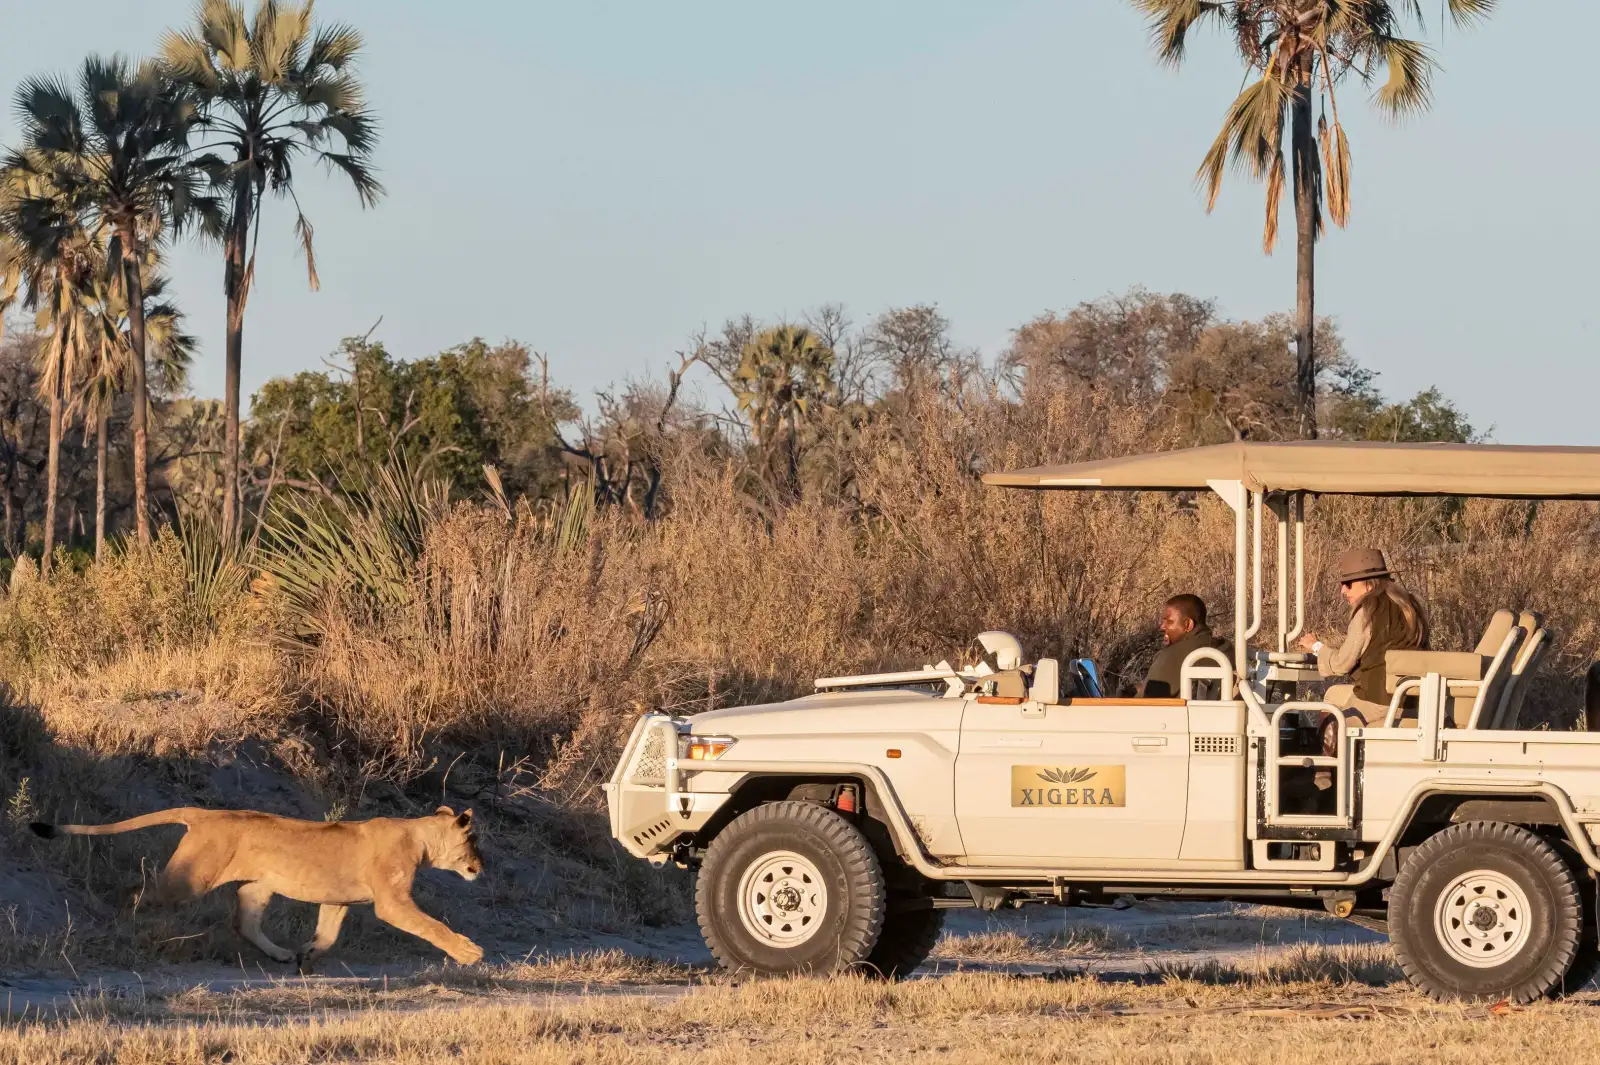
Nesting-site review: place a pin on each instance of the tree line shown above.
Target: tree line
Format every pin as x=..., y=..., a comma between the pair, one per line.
x=123, y=158
x=787, y=408
x=203, y=142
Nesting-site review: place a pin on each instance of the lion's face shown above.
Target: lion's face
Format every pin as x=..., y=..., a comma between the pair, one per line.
x=458, y=845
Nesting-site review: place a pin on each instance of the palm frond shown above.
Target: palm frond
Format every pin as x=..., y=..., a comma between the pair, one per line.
x=1171, y=21
x=1409, y=88
x=218, y=569
x=362, y=541
x=1468, y=12
x=1269, y=233
x=334, y=47
x=188, y=60
x=226, y=33
x=576, y=516
x=304, y=233
x=48, y=111
x=1335, y=149
x=368, y=187
x=1250, y=137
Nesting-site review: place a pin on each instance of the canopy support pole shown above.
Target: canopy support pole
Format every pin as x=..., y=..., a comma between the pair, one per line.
x=1255, y=567
x=1280, y=510
x=1290, y=509
x=1299, y=568
x=1233, y=493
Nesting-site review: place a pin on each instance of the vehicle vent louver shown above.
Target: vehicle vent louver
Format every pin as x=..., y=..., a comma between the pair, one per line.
x=1214, y=745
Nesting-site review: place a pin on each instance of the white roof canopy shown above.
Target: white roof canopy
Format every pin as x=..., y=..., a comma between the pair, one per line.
x=1339, y=468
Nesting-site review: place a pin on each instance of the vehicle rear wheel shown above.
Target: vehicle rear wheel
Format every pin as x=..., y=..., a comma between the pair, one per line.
x=908, y=937
x=790, y=887
x=1485, y=910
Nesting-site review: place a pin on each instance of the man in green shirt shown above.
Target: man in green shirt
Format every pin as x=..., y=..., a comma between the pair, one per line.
x=1184, y=630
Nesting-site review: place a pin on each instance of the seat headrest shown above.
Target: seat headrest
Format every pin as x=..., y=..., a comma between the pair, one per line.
x=1495, y=633
x=1531, y=620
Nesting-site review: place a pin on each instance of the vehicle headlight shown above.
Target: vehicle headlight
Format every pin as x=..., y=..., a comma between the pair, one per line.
x=706, y=748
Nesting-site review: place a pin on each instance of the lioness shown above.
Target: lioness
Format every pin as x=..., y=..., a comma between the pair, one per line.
x=336, y=864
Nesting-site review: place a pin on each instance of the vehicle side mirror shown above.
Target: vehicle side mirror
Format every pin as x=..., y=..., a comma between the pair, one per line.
x=1046, y=682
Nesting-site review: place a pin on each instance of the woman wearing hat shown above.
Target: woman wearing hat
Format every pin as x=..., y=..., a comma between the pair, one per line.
x=1383, y=617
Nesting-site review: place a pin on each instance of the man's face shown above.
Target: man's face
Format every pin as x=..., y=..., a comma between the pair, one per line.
x=1174, y=626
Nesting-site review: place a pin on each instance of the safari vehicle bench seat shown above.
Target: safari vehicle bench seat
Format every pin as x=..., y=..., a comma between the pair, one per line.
x=1464, y=666
x=1493, y=701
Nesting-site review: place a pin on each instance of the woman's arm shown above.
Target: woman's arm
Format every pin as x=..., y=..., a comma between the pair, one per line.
x=1339, y=661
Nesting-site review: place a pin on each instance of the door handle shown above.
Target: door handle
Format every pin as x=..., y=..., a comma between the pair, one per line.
x=1149, y=743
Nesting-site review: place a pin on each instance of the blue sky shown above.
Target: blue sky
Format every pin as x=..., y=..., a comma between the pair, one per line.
x=601, y=179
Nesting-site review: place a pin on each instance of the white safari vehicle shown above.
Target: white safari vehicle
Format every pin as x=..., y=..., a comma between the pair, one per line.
x=834, y=830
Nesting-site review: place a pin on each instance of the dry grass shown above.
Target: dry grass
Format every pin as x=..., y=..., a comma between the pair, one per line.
x=1004, y=945
x=564, y=974
x=962, y=1019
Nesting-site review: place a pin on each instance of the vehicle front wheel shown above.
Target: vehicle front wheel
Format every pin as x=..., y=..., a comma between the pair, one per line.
x=790, y=887
x=1485, y=911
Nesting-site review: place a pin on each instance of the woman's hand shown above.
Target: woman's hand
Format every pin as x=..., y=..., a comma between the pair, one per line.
x=1307, y=642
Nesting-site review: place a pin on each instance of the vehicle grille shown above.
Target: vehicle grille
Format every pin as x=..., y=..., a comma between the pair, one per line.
x=1214, y=745
x=650, y=764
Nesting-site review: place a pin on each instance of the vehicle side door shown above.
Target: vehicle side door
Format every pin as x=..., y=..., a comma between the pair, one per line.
x=1095, y=779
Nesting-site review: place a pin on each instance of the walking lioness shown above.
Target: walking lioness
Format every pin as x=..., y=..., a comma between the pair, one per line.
x=336, y=864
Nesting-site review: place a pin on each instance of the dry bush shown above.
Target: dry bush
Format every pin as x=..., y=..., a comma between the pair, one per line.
x=514, y=646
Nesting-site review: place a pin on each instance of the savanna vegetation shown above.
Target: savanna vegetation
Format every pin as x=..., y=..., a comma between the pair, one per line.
x=411, y=576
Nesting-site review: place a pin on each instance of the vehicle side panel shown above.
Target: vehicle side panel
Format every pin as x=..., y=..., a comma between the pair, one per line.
x=1215, y=829
x=863, y=729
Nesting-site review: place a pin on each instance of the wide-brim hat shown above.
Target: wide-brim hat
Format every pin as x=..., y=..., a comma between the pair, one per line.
x=1362, y=564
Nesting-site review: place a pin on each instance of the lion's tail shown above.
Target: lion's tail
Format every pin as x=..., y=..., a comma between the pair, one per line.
x=182, y=815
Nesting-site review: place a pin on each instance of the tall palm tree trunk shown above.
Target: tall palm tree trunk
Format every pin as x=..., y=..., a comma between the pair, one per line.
x=53, y=467
x=236, y=284
x=100, y=482
x=141, y=385
x=1305, y=217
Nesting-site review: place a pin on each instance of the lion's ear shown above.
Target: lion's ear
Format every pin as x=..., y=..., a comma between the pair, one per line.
x=465, y=819
x=446, y=811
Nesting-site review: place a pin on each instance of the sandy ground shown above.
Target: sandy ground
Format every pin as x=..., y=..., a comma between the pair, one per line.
x=1130, y=944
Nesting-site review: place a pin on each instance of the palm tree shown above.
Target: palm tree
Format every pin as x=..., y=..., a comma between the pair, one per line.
x=115, y=152
x=1296, y=49
x=51, y=261
x=271, y=91
x=169, y=350
x=783, y=374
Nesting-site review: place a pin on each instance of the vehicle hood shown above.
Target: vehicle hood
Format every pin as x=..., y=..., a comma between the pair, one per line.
x=777, y=718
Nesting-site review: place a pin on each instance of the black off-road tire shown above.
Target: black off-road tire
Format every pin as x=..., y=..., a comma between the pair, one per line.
x=1586, y=963
x=908, y=937
x=1456, y=865
x=850, y=906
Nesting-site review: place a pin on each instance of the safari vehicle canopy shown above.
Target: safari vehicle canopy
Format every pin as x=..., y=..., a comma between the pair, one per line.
x=832, y=831
x=1249, y=476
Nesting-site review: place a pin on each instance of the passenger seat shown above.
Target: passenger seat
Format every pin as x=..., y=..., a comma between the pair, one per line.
x=1465, y=670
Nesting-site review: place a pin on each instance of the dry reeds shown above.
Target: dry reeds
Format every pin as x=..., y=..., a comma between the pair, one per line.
x=517, y=638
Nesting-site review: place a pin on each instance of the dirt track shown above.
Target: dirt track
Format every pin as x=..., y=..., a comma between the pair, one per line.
x=1136, y=944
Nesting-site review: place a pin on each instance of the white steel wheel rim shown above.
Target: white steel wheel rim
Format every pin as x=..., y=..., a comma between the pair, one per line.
x=782, y=899
x=1483, y=919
